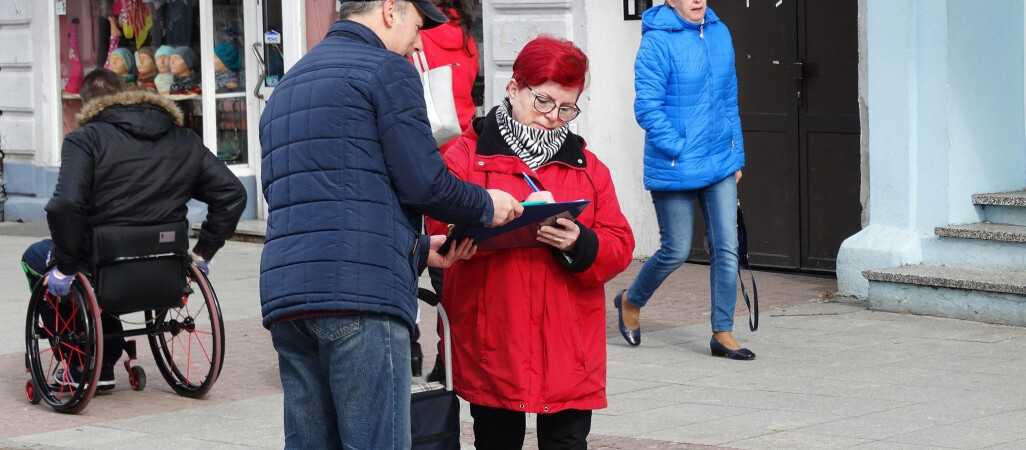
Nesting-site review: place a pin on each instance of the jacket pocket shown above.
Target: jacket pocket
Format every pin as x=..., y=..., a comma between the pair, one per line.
x=331, y=328
x=565, y=368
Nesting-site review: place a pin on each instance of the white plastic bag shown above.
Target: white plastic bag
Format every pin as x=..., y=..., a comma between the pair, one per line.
x=441, y=107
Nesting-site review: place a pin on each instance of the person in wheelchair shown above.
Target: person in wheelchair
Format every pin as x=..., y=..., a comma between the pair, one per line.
x=130, y=162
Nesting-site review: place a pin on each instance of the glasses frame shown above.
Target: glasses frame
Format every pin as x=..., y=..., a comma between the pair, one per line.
x=575, y=108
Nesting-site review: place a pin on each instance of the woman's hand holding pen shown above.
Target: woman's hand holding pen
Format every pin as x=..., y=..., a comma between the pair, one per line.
x=564, y=237
x=540, y=196
x=465, y=249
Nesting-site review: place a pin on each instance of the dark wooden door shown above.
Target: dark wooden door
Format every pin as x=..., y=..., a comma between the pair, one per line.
x=797, y=69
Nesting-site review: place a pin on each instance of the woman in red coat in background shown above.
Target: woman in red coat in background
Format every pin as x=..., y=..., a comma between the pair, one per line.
x=452, y=43
x=529, y=324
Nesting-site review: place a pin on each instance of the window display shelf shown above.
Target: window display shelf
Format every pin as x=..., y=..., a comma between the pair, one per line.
x=174, y=98
x=230, y=95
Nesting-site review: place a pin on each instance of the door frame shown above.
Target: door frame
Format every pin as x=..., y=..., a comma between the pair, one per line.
x=293, y=17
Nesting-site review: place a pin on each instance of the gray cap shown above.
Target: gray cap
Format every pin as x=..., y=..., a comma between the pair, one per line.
x=432, y=16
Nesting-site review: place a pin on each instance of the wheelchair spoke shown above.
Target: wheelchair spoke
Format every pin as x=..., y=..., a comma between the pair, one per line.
x=190, y=368
x=202, y=347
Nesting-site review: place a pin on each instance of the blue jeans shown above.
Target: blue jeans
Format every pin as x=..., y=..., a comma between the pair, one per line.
x=346, y=380
x=675, y=213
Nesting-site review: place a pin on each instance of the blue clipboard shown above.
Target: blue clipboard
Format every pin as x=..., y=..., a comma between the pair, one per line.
x=519, y=233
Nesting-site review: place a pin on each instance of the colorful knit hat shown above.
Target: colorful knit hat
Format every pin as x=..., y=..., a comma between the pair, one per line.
x=145, y=51
x=126, y=55
x=188, y=55
x=228, y=55
x=163, y=50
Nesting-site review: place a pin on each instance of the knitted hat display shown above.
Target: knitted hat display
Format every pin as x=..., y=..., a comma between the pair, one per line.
x=189, y=56
x=163, y=50
x=126, y=55
x=145, y=51
x=228, y=55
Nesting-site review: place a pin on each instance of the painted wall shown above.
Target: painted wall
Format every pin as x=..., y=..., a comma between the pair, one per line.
x=612, y=132
x=320, y=14
x=27, y=81
x=945, y=121
x=29, y=107
x=986, y=103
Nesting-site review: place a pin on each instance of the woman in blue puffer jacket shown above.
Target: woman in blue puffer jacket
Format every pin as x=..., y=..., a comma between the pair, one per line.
x=687, y=103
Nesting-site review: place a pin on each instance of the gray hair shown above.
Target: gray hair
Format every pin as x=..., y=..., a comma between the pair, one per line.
x=356, y=8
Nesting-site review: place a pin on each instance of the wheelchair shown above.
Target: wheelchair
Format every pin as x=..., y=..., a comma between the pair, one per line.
x=136, y=269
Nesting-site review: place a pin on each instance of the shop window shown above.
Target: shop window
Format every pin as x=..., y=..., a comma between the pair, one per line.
x=229, y=59
x=155, y=45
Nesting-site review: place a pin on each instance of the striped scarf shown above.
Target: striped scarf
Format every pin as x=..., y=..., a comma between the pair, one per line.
x=535, y=147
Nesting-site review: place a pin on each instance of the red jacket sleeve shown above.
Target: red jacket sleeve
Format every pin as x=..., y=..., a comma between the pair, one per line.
x=615, y=237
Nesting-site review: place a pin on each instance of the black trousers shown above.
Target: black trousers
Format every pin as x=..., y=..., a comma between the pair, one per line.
x=35, y=260
x=500, y=429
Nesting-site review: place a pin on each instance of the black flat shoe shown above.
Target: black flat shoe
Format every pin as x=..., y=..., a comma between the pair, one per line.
x=718, y=349
x=632, y=337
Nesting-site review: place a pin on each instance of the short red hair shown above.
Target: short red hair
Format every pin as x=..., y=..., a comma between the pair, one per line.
x=549, y=58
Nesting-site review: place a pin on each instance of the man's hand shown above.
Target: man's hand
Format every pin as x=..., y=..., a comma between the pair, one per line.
x=737, y=177
x=506, y=208
x=541, y=196
x=465, y=249
x=57, y=283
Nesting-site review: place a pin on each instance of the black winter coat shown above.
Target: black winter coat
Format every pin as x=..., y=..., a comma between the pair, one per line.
x=130, y=162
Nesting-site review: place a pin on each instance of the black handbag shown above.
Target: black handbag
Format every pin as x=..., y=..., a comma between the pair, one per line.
x=137, y=268
x=742, y=264
x=435, y=411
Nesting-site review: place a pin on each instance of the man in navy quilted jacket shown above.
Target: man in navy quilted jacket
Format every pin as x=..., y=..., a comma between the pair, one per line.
x=349, y=167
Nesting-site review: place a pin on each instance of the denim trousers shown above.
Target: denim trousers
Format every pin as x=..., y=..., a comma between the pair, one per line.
x=675, y=214
x=346, y=380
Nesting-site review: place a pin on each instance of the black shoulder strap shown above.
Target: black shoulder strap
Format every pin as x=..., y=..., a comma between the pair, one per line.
x=742, y=264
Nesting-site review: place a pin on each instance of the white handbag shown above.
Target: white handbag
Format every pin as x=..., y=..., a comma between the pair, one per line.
x=441, y=107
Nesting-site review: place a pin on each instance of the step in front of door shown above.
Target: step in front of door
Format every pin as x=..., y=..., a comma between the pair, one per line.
x=991, y=296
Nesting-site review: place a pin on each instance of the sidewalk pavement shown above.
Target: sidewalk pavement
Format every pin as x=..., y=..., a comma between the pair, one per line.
x=829, y=374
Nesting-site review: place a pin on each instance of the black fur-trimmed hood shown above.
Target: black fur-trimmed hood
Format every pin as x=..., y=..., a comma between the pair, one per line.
x=141, y=113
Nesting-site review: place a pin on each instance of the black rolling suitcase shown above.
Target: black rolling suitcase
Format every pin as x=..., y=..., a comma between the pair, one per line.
x=434, y=409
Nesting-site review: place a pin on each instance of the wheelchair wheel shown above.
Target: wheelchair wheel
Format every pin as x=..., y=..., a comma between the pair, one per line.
x=137, y=378
x=64, y=346
x=189, y=344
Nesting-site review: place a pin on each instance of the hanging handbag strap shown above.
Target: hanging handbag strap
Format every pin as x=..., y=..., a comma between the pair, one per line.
x=420, y=61
x=742, y=264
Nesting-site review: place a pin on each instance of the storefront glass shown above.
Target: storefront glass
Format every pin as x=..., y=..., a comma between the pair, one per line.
x=229, y=81
x=155, y=45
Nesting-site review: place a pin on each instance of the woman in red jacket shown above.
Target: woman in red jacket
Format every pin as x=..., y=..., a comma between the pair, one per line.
x=452, y=43
x=529, y=324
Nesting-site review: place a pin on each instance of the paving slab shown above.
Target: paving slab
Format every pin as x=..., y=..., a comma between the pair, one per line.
x=829, y=374
x=797, y=439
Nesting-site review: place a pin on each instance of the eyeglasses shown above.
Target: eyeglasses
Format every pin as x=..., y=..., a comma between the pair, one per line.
x=546, y=105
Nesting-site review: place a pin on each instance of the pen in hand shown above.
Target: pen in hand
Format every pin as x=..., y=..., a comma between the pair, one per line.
x=527, y=178
x=539, y=197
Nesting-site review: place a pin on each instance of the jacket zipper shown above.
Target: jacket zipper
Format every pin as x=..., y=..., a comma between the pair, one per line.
x=701, y=30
